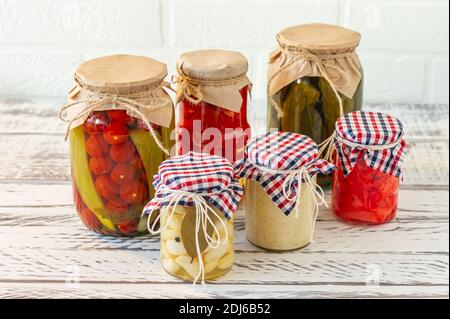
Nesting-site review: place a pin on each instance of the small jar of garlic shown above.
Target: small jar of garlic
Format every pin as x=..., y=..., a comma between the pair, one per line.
x=196, y=195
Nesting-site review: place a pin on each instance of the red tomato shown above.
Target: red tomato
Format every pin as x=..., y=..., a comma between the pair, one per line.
x=136, y=162
x=121, y=153
x=77, y=200
x=133, y=193
x=115, y=133
x=120, y=116
x=106, y=187
x=116, y=205
x=122, y=173
x=141, y=125
x=96, y=122
x=96, y=145
x=129, y=227
x=100, y=165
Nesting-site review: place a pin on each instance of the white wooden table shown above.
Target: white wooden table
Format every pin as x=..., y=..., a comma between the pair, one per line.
x=45, y=252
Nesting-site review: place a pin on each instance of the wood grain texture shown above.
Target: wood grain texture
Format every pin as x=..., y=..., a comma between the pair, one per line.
x=44, y=245
x=183, y=290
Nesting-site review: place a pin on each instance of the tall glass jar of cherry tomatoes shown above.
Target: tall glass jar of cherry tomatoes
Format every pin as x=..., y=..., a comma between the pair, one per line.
x=120, y=118
x=212, y=91
x=370, y=152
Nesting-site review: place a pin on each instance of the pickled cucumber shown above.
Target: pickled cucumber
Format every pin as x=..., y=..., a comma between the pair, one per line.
x=83, y=178
x=150, y=153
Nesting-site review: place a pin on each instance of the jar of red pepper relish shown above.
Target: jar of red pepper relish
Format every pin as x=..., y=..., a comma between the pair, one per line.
x=120, y=120
x=212, y=90
x=370, y=152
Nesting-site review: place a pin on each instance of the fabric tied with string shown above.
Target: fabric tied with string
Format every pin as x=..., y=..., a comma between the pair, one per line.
x=339, y=64
x=152, y=106
x=213, y=76
x=282, y=163
x=203, y=181
x=378, y=136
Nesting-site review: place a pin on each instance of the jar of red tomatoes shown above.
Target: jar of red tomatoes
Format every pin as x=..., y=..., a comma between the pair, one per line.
x=212, y=90
x=120, y=119
x=370, y=151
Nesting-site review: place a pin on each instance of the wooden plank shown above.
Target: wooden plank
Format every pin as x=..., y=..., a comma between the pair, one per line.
x=51, y=194
x=295, y=268
x=397, y=236
x=186, y=291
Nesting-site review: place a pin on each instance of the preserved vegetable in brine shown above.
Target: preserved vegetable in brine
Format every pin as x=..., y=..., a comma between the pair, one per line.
x=315, y=77
x=117, y=140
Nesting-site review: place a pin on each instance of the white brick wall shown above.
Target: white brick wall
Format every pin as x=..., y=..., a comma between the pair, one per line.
x=404, y=48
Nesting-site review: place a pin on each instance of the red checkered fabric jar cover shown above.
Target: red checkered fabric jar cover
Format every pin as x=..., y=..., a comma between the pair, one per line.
x=272, y=158
x=378, y=136
x=205, y=175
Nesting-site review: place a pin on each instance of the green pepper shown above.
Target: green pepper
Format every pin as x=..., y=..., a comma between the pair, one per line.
x=83, y=178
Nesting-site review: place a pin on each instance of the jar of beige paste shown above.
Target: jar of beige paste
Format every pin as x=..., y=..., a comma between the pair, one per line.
x=282, y=197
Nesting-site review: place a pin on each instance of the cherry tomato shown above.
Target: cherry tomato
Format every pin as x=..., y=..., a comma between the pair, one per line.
x=141, y=125
x=129, y=227
x=120, y=116
x=77, y=200
x=115, y=133
x=116, y=205
x=96, y=145
x=100, y=165
x=96, y=122
x=133, y=193
x=106, y=187
x=122, y=173
x=136, y=162
x=121, y=153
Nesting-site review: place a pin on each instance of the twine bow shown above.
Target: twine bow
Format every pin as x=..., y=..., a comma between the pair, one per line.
x=130, y=103
x=202, y=220
x=322, y=66
x=299, y=176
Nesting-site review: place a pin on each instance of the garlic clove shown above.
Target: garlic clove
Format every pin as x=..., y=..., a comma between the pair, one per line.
x=192, y=268
x=175, y=248
x=216, y=254
x=226, y=262
x=170, y=265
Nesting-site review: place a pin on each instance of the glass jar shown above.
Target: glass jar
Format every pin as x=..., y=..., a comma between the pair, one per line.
x=314, y=71
x=370, y=151
x=213, y=89
x=197, y=196
x=366, y=195
x=203, y=116
x=113, y=154
x=178, y=251
x=267, y=226
x=280, y=213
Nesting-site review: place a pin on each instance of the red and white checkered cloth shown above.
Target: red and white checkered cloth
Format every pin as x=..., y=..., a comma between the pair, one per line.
x=379, y=136
x=271, y=157
x=206, y=175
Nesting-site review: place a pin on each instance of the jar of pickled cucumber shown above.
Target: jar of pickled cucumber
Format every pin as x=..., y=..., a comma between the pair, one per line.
x=371, y=150
x=196, y=195
x=212, y=92
x=282, y=196
x=119, y=122
x=315, y=76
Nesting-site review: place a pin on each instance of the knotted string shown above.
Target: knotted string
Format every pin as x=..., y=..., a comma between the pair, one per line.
x=187, y=87
x=202, y=219
x=327, y=146
x=129, y=102
x=322, y=65
x=299, y=176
